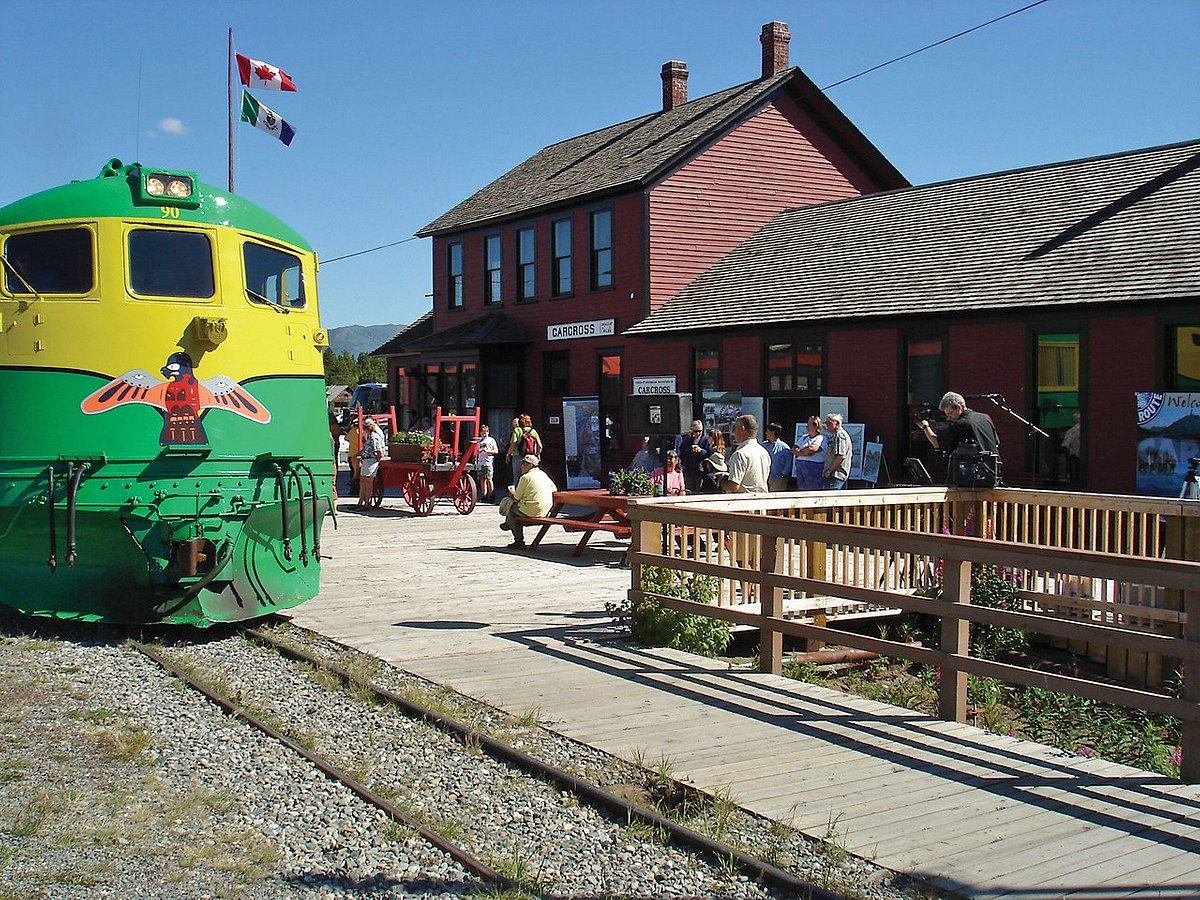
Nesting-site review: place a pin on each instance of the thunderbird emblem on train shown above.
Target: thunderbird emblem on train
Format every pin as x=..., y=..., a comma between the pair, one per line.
x=182, y=399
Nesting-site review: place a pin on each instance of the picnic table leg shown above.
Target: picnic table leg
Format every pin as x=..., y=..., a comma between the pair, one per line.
x=554, y=511
x=578, y=551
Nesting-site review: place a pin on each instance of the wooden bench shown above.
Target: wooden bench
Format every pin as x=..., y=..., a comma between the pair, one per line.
x=587, y=526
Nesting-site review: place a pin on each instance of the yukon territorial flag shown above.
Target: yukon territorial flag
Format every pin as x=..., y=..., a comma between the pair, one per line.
x=257, y=74
x=261, y=117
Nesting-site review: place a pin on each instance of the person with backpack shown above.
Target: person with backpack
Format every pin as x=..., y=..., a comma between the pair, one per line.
x=525, y=442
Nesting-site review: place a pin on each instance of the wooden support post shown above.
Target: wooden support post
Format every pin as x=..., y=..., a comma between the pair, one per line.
x=956, y=589
x=816, y=567
x=639, y=540
x=770, y=652
x=1189, y=740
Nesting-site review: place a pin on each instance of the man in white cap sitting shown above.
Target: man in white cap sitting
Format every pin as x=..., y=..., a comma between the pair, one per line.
x=533, y=496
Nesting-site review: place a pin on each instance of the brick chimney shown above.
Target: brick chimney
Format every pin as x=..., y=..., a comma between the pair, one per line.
x=774, y=38
x=674, y=79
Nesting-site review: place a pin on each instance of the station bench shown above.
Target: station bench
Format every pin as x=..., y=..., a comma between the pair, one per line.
x=569, y=524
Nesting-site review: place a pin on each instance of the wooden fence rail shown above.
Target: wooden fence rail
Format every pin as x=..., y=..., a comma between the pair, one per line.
x=784, y=561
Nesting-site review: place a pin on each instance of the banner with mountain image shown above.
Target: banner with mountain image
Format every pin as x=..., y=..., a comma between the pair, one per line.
x=1168, y=436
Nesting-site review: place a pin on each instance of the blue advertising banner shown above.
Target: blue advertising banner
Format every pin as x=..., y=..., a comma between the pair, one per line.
x=581, y=438
x=1168, y=436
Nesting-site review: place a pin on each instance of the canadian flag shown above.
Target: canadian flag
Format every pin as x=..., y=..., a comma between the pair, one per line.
x=258, y=74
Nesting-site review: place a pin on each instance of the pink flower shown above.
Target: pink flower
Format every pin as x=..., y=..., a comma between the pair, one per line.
x=1176, y=757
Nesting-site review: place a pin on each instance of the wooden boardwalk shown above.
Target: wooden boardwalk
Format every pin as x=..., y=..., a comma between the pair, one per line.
x=982, y=814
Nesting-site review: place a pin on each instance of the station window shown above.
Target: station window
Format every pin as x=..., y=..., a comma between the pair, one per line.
x=602, y=254
x=273, y=276
x=560, y=275
x=492, y=284
x=926, y=372
x=1183, y=343
x=706, y=370
x=556, y=373
x=795, y=368
x=526, y=264
x=51, y=262
x=170, y=263
x=454, y=275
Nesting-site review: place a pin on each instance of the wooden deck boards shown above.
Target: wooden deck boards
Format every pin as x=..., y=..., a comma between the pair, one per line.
x=992, y=816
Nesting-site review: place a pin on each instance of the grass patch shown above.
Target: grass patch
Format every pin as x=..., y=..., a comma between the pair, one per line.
x=124, y=742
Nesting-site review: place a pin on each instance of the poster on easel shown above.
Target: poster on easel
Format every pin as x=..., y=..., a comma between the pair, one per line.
x=1168, y=436
x=581, y=442
x=871, y=460
x=721, y=409
x=839, y=405
x=858, y=439
x=753, y=406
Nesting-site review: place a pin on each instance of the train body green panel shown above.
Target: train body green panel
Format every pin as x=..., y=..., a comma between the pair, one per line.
x=166, y=455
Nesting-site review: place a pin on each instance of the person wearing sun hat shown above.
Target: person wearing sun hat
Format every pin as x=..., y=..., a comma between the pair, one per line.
x=531, y=498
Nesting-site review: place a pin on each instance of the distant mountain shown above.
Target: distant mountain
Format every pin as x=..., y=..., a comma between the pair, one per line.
x=357, y=339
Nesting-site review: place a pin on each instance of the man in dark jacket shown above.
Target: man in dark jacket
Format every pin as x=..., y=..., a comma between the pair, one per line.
x=963, y=426
x=693, y=450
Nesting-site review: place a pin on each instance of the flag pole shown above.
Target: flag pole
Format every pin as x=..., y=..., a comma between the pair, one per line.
x=229, y=98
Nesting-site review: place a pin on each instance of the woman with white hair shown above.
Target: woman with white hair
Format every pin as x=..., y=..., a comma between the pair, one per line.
x=371, y=453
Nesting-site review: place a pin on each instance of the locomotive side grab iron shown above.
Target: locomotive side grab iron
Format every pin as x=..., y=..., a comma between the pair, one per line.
x=165, y=454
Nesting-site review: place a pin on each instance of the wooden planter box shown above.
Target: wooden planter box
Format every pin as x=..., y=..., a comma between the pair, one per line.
x=406, y=452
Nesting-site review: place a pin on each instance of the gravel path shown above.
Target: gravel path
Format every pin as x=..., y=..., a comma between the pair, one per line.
x=115, y=781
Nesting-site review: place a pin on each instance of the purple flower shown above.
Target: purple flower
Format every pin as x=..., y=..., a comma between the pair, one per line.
x=1176, y=757
x=1085, y=752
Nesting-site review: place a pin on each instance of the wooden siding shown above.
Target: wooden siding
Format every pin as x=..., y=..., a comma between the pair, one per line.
x=993, y=358
x=1121, y=357
x=582, y=304
x=776, y=160
x=863, y=366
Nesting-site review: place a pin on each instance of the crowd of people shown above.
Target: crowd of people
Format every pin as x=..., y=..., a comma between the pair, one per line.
x=700, y=463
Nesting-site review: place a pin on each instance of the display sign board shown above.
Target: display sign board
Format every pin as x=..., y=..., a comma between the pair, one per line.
x=1168, y=437
x=835, y=405
x=566, y=331
x=581, y=440
x=654, y=384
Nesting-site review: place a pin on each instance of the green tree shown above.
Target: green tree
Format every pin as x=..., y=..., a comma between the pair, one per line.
x=370, y=368
x=340, y=368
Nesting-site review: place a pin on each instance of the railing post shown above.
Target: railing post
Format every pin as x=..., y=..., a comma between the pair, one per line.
x=639, y=539
x=770, y=652
x=1189, y=732
x=815, y=567
x=956, y=589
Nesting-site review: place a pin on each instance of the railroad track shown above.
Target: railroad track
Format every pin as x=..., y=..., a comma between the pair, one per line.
x=724, y=857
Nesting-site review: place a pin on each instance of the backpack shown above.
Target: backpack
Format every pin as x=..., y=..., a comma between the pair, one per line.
x=528, y=444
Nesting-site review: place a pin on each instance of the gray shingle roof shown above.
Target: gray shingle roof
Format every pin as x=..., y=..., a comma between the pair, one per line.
x=1116, y=228
x=634, y=152
x=420, y=328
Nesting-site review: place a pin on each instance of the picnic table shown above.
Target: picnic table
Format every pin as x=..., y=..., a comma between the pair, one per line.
x=586, y=511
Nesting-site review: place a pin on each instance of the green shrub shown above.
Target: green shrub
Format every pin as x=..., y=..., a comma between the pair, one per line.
x=633, y=483
x=653, y=625
x=994, y=588
x=411, y=437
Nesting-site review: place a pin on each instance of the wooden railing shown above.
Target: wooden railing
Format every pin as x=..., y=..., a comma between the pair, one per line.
x=1095, y=571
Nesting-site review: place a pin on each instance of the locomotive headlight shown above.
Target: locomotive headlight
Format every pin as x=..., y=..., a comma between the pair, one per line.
x=166, y=188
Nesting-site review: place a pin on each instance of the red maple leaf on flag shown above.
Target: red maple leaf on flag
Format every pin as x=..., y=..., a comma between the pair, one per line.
x=264, y=73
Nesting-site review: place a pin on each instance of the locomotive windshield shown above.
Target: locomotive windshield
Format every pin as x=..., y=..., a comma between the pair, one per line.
x=170, y=263
x=50, y=262
x=273, y=277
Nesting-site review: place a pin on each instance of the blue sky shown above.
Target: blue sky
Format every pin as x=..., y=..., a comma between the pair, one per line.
x=406, y=108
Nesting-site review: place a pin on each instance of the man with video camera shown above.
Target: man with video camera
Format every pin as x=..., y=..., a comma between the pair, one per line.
x=962, y=426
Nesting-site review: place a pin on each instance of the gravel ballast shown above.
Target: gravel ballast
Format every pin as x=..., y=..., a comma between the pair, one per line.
x=116, y=781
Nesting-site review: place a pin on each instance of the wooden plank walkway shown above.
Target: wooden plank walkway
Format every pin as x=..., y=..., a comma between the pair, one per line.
x=986, y=815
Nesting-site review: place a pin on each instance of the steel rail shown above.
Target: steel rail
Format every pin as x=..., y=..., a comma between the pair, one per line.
x=471, y=863
x=681, y=835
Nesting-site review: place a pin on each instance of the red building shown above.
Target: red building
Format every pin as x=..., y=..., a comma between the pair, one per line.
x=538, y=275
x=753, y=240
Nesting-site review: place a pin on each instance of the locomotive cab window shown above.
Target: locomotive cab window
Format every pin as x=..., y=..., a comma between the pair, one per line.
x=273, y=277
x=49, y=262
x=166, y=263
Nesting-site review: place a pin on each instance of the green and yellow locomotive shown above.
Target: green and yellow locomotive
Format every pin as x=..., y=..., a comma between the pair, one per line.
x=165, y=452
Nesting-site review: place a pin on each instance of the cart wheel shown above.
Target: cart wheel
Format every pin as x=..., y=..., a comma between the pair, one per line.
x=422, y=495
x=465, y=494
x=408, y=489
x=377, y=492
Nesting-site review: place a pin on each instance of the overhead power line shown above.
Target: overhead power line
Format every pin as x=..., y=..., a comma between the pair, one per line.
x=827, y=87
x=944, y=40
